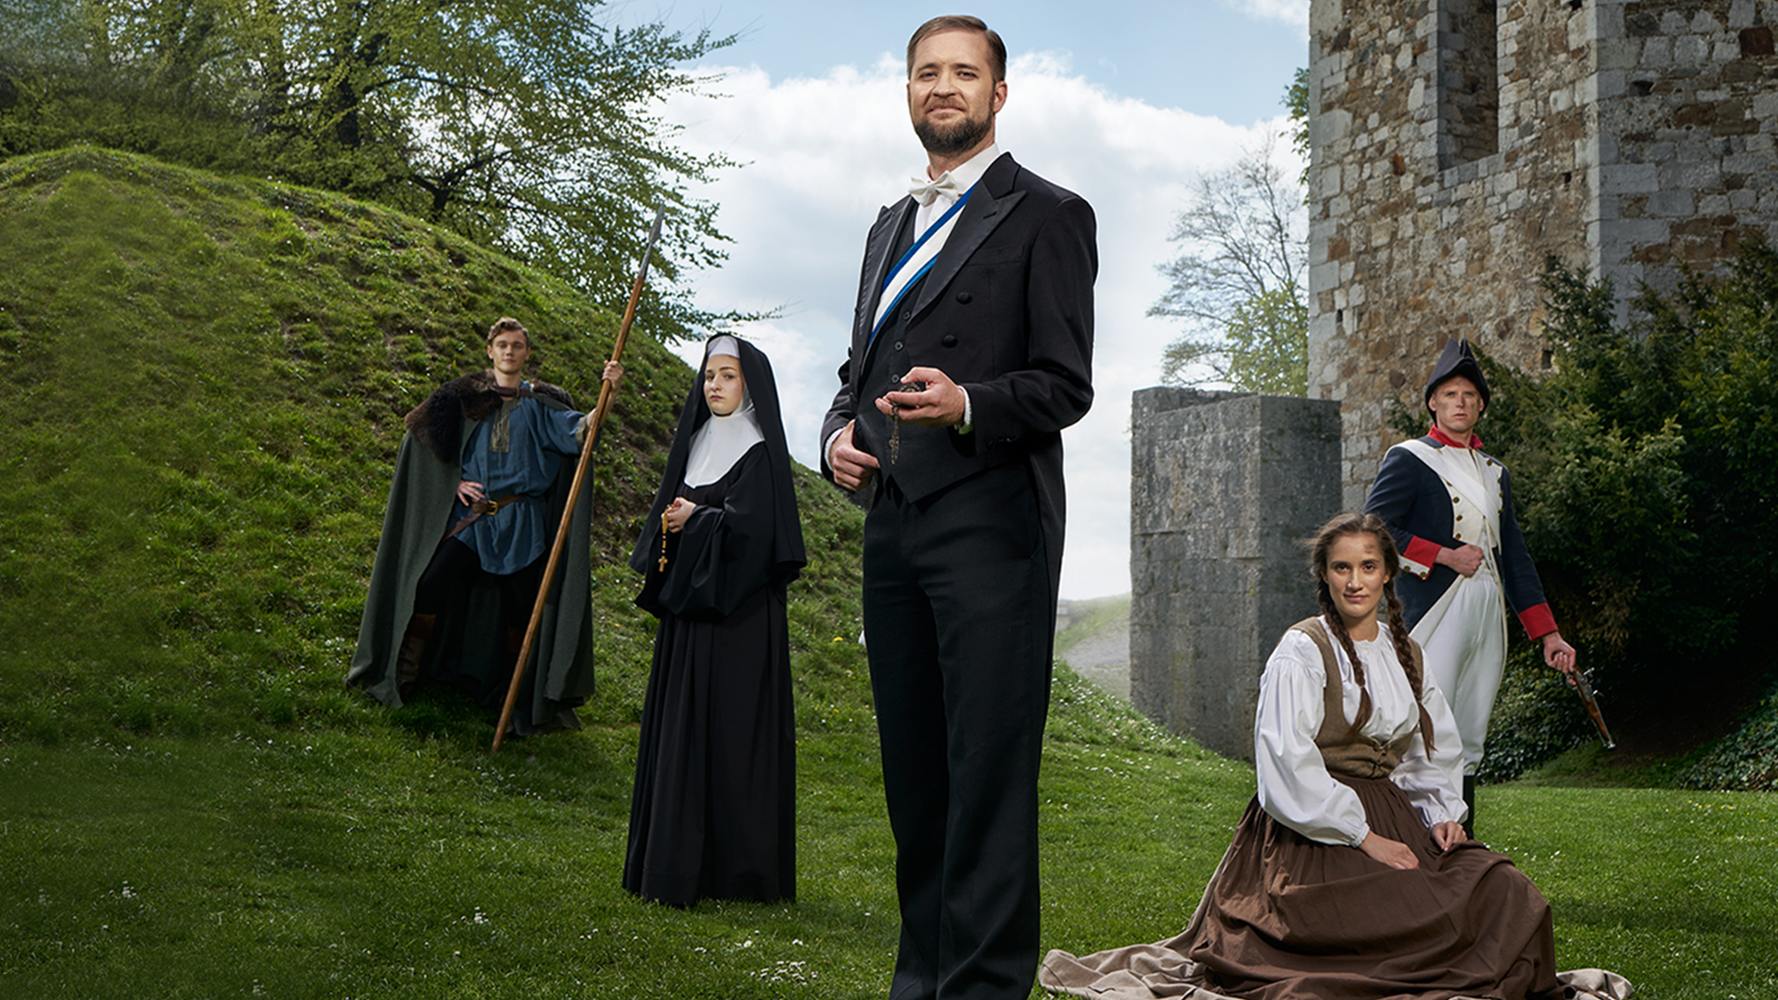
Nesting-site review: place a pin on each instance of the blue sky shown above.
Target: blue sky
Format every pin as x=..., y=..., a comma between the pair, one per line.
x=1127, y=104
x=1228, y=58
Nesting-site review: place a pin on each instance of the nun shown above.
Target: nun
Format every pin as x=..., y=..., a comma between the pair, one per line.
x=713, y=811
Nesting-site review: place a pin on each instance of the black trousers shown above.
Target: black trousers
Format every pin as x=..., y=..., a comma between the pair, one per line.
x=445, y=590
x=958, y=618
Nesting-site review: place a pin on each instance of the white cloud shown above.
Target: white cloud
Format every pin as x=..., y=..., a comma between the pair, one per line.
x=1292, y=12
x=823, y=154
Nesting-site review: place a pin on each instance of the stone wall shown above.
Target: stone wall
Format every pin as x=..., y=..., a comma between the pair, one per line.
x=1631, y=136
x=1223, y=487
x=1687, y=94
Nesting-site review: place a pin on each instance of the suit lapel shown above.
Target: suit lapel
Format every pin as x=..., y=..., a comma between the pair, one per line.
x=878, y=254
x=992, y=202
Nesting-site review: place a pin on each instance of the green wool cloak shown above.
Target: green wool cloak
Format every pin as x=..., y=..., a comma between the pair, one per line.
x=421, y=497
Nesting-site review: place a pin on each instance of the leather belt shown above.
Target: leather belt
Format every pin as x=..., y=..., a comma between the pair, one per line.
x=484, y=508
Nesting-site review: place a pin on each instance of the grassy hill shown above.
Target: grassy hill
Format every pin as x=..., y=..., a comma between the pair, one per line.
x=202, y=379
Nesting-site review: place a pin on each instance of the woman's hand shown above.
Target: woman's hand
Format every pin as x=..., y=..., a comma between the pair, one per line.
x=678, y=512
x=1393, y=853
x=468, y=493
x=1448, y=835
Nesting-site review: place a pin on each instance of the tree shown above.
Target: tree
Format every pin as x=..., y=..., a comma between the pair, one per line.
x=529, y=125
x=1238, y=282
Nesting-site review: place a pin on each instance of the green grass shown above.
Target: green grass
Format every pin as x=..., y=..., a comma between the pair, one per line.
x=203, y=379
x=1091, y=617
x=385, y=862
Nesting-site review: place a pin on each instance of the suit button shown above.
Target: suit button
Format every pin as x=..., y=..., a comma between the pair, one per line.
x=965, y=297
x=949, y=340
x=905, y=315
x=898, y=345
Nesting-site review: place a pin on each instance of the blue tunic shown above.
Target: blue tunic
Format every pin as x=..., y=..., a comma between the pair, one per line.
x=537, y=438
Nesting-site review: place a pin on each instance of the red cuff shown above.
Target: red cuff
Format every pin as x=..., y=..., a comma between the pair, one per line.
x=1538, y=620
x=1422, y=551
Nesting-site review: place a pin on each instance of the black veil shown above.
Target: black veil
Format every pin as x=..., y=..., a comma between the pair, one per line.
x=788, y=556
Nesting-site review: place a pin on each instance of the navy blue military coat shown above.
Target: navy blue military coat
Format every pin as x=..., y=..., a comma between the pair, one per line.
x=1426, y=512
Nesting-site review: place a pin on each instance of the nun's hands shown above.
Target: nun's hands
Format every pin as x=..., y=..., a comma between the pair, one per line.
x=678, y=512
x=940, y=404
x=851, y=467
x=1448, y=835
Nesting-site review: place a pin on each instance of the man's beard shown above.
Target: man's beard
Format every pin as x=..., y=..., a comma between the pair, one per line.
x=949, y=140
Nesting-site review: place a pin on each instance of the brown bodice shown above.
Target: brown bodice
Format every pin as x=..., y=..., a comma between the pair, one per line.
x=1345, y=750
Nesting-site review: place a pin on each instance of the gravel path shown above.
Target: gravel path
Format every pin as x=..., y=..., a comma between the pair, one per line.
x=1104, y=657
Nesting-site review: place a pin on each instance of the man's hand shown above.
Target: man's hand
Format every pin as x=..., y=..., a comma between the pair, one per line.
x=1465, y=559
x=851, y=468
x=677, y=513
x=613, y=372
x=1448, y=835
x=468, y=493
x=1559, y=655
x=940, y=404
x=1393, y=853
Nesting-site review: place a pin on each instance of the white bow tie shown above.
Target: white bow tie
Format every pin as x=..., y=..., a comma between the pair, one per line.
x=926, y=192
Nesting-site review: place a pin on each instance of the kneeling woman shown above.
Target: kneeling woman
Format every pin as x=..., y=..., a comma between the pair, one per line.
x=1349, y=875
x=714, y=806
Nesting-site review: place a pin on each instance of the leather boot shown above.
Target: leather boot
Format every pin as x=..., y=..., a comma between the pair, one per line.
x=412, y=655
x=1469, y=800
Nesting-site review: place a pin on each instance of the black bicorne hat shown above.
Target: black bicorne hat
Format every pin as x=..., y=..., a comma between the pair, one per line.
x=1457, y=359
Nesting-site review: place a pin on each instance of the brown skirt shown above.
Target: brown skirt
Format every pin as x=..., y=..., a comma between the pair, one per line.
x=1288, y=918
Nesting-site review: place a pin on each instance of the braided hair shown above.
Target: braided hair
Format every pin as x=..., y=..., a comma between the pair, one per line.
x=1405, y=653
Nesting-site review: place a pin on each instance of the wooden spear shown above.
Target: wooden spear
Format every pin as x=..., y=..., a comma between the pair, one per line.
x=586, y=452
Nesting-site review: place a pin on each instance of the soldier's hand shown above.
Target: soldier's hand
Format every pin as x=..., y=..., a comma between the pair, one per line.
x=1465, y=559
x=1559, y=655
x=468, y=493
x=851, y=467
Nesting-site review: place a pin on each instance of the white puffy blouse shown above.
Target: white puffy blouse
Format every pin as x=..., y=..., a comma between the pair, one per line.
x=1295, y=787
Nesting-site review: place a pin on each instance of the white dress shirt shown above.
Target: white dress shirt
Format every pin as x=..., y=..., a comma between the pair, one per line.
x=1295, y=787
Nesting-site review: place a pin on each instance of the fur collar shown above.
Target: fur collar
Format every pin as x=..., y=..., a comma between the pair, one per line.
x=438, y=422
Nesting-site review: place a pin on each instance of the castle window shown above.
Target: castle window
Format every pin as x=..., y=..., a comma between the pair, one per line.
x=1468, y=81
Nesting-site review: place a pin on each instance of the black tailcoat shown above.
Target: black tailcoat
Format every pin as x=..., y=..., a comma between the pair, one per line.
x=962, y=554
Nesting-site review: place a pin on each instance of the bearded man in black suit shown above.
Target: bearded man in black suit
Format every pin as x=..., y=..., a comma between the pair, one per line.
x=971, y=349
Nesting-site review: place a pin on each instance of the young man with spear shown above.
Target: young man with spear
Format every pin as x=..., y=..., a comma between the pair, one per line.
x=482, y=482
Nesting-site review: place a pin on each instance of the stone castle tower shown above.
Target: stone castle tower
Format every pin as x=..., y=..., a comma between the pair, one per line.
x=1457, y=143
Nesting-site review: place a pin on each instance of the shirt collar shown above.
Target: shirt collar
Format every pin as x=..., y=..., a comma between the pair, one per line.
x=1475, y=440
x=964, y=175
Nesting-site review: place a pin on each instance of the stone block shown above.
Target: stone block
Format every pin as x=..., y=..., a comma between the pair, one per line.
x=1672, y=203
x=1690, y=50
x=1222, y=488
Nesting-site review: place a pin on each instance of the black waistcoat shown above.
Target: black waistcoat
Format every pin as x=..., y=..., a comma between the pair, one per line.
x=929, y=458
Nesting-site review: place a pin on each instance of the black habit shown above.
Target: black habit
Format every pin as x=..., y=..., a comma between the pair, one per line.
x=962, y=555
x=713, y=810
